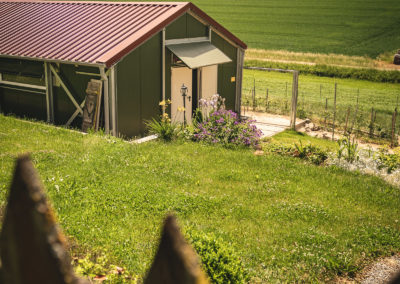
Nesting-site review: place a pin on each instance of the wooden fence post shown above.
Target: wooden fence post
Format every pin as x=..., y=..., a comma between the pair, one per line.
x=266, y=102
x=347, y=120
x=356, y=112
x=394, y=127
x=33, y=249
x=334, y=112
x=371, y=124
x=175, y=260
x=326, y=113
x=295, y=87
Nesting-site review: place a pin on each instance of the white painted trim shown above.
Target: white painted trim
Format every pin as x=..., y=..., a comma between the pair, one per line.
x=104, y=78
x=186, y=40
x=49, y=93
x=66, y=89
x=22, y=85
x=113, y=102
x=163, y=67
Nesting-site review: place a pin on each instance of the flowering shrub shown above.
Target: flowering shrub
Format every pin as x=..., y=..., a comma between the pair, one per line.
x=224, y=127
x=207, y=106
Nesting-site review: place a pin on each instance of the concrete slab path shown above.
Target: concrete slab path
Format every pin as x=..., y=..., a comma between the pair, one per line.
x=272, y=124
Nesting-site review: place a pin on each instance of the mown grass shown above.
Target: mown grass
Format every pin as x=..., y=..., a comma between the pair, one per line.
x=385, y=60
x=288, y=220
x=341, y=26
x=313, y=92
x=289, y=137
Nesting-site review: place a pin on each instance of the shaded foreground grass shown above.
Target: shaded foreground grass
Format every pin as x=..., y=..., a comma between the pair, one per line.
x=288, y=220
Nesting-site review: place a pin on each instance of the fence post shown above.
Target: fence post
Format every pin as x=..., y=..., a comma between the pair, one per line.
x=254, y=94
x=394, y=127
x=266, y=102
x=356, y=112
x=294, y=100
x=347, y=120
x=32, y=247
x=334, y=113
x=371, y=124
x=326, y=113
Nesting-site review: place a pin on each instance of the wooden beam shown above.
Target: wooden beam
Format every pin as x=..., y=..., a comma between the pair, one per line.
x=65, y=88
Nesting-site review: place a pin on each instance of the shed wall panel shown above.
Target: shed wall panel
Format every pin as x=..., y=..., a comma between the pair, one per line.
x=186, y=26
x=139, y=88
x=226, y=88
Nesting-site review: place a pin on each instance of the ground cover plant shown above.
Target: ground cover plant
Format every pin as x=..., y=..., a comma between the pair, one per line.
x=342, y=27
x=285, y=219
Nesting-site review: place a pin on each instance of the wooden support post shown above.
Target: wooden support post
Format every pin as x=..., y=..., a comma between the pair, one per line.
x=347, y=120
x=355, y=113
x=253, y=96
x=394, y=116
x=294, y=100
x=326, y=113
x=49, y=93
x=334, y=113
x=371, y=124
x=266, y=102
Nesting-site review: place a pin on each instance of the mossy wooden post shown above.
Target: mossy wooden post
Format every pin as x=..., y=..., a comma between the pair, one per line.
x=175, y=260
x=334, y=113
x=33, y=249
x=295, y=87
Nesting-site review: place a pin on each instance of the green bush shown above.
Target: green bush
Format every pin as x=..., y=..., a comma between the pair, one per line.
x=163, y=128
x=369, y=74
x=348, y=149
x=218, y=259
x=389, y=161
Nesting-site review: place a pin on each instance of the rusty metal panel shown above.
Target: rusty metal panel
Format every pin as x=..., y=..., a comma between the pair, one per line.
x=86, y=32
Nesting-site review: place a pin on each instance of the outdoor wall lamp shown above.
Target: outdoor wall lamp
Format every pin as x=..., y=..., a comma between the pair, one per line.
x=184, y=90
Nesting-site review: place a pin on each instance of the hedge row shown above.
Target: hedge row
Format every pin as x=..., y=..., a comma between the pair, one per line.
x=332, y=71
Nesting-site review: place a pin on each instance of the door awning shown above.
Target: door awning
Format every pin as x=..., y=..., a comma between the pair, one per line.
x=199, y=54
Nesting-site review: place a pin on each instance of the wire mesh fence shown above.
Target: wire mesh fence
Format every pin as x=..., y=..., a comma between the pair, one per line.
x=344, y=105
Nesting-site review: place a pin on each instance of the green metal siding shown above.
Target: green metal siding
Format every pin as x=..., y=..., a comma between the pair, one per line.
x=25, y=102
x=76, y=83
x=184, y=27
x=33, y=105
x=226, y=88
x=139, y=87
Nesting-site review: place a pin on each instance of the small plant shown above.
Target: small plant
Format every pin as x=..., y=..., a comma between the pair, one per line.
x=348, y=149
x=163, y=127
x=218, y=259
x=310, y=152
x=387, y=160
x=224, y=127
x=96, y=266
x=208, y=106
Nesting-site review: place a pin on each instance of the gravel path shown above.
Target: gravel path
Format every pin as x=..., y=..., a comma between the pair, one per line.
x=381, y=271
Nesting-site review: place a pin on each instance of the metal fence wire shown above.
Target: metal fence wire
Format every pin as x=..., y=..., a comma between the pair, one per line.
x=339, y=105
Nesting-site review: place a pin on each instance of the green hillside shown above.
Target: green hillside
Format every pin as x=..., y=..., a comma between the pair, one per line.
x=351, y=27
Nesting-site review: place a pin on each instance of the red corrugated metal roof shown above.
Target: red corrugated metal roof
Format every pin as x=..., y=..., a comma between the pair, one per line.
x=86, y=32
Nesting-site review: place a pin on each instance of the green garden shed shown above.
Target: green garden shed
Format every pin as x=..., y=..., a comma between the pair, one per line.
x=140, y=53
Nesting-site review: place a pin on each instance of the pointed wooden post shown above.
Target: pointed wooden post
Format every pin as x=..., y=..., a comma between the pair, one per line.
x=175, y=261
x=32, y=246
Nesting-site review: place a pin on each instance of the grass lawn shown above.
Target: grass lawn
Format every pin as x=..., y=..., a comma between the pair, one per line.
x=313, y=92
x=340, y=26
x=288, y=220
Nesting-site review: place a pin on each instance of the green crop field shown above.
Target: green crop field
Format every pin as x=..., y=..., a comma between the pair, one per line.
x=351, y=27
x=289, y=221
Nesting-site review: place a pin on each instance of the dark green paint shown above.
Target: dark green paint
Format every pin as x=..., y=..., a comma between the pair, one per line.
x=139, y=87
x=33, y=105
x=184, y=27
x=226, y=88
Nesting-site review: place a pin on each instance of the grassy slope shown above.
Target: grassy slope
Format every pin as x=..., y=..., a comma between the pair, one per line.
x=351, y=27
x=288, y=220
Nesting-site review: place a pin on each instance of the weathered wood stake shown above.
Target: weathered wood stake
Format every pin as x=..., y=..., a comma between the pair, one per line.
x=334, y=113
x=393, y=144
x=347, y=120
